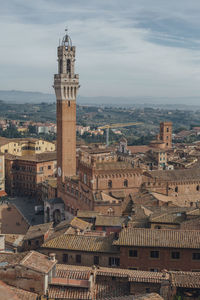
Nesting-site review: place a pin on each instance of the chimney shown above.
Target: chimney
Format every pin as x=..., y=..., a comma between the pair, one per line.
x=78, y=232
x=52, y=256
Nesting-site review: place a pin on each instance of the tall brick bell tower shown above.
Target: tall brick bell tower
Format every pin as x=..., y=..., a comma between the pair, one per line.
x=66, y=84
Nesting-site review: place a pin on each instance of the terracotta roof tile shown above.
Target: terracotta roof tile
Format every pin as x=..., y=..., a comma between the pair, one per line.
x=109, y=221
x=87, y=214
x=37, y=261
x=185, y=279
x=22, y=294
x=174, y=218
x=193, y=224
x=60, y=292
x=80, y=224
x=38, y=230
x=132, y=275
x=177, y=278
x=152, y=296
x=81, y=243
x=159, y=238
x=138, y=149
x=176, y=175
x=11, y=258
x=6, y=293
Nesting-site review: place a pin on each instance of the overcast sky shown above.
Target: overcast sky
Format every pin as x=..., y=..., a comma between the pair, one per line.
x=124, y=47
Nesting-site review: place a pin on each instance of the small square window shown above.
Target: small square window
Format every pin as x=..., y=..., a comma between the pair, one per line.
x=175, y=255
x=133, y=253
x=196, y=256
x=154, y=254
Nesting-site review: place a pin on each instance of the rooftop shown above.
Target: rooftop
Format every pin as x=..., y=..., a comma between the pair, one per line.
x=81, y=243
x=185, y=279
x=14, y=240
x=132, y=275
x=176, y=175
x=159, y=238
x=41, y=157
x=59, y=292
x=87, y=214
x=172, y=218
x=138, y=149
x=33, y=260
x=102, y=220
x=22, y=294
x=177, y=278
x=80, y=224
x=38, y=230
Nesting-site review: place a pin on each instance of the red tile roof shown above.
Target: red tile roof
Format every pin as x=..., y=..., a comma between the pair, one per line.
x=81, y=243
x=37, y=261
x=58, y=292
x=185, y=279
x=159, y=238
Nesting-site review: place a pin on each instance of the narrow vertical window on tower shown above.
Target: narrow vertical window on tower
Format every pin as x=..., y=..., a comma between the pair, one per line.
x=60, y=66
x=69, y=67
x=65, y=94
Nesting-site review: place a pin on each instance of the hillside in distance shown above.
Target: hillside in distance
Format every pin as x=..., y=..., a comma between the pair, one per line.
x=21, y=97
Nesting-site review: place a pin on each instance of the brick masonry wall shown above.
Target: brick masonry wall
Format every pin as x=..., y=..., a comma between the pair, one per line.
x=145, y=262
x=87, y=258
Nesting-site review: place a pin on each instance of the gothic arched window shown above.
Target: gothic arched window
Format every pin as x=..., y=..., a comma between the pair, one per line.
x=176, y=189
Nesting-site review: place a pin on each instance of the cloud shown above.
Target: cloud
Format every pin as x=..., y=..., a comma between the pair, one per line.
x=124, y=48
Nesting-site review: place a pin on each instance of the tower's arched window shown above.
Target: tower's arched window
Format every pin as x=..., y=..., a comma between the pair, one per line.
x=176, y=189
x=69, y=66
x=125, y=182
x=109, y=183
x=197, y=188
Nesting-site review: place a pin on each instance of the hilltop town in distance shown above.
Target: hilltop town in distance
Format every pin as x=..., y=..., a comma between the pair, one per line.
x=98, y=202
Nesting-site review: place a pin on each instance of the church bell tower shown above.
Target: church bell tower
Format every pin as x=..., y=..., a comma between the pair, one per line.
x=66, y=84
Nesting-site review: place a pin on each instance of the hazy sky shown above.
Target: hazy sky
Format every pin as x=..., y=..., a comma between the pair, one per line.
x=124, y=47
